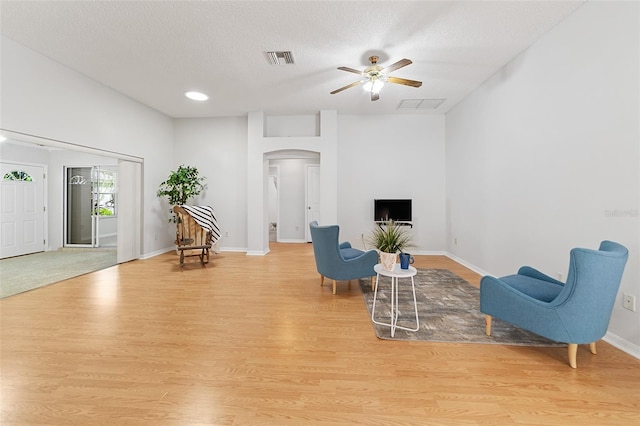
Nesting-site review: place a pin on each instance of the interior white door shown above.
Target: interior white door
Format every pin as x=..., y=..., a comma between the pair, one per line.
x=312, y=195
x=21, y=209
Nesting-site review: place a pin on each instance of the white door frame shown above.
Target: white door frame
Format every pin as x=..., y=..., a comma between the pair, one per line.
x=310, y=213
x=277, y=200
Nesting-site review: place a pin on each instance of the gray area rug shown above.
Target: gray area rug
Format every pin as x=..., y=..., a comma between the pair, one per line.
x=448, y=310
x=23, y=273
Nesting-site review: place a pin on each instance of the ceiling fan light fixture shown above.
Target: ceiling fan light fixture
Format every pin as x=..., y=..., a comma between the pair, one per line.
x=373, y=86
x=374, y=77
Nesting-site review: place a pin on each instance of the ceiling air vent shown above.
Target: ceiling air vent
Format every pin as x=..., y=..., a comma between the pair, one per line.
x=420, y=103
x=284, y=57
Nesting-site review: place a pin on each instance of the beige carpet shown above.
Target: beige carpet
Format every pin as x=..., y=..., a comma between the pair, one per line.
x=448, y=310
x=28, y=272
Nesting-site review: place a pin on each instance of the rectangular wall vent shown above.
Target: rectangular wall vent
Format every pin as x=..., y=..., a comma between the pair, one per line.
x=283, y=57
x=420, y=103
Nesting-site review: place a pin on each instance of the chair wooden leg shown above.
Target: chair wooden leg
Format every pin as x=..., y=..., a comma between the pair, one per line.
x=592, y=348
x=573, y=350
x=373, y=283
x=487, y=324
x=321, y=280
x=334, y=286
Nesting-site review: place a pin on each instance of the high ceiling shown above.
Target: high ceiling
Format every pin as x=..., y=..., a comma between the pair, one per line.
x=155, y=51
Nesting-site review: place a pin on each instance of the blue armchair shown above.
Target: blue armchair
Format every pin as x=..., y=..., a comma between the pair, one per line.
x=339, y=261
x=575, y=312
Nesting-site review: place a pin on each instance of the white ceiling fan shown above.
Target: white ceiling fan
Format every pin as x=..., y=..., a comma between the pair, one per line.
x=374, y=77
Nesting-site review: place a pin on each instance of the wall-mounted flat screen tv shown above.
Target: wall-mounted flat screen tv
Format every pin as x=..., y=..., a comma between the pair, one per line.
x=396, y=210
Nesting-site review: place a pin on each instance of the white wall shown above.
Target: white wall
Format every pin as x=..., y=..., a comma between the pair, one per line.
x=545, y=155
x=392, y=156
x=23, y=154
x=409, y=149
x=43, y=98
x=262, y=147
x=218, y=148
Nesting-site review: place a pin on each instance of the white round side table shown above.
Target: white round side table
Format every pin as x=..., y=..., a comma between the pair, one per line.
x=395, y=275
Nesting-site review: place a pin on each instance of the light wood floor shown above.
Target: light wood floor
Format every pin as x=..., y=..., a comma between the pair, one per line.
x=256, y=340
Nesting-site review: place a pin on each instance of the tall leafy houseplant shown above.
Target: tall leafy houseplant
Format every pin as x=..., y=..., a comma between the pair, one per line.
x=181, y=185
x=389, y=239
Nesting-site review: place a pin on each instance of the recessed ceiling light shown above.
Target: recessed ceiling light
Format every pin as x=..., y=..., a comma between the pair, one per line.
x=2, y=138
x=196, y=96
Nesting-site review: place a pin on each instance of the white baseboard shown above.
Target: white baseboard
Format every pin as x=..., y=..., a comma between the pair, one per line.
x=427, y=253
x=156, y=253
x=233, y=249
x=257, y=252
x=290, y=241
x=623, y=345
x=467, y=264
x=172, y=248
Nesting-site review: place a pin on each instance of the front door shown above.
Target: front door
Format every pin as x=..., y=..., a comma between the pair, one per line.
x=21, y=209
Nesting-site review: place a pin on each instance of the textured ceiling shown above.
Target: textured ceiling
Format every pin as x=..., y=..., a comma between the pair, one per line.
x=155, y=51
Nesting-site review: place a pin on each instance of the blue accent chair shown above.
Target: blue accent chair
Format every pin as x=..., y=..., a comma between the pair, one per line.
x=575, y=312
x=339, y=261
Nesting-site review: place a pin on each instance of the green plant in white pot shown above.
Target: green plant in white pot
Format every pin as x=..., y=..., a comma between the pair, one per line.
x=180, y=186
x=389, y=239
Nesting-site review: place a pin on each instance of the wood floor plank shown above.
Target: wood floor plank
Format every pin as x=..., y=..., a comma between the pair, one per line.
x=256, y=340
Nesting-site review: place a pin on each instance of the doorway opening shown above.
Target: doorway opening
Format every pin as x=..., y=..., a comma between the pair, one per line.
x=291, y=196
x=91, y=206
x=52, y=261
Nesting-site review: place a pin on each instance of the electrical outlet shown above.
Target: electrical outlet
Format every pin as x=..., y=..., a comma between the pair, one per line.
x=455, y=241
x=629, y=302
x=226, y=234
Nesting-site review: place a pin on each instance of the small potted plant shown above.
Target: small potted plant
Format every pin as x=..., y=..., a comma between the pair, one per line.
x=180, y=186
x=389, y=239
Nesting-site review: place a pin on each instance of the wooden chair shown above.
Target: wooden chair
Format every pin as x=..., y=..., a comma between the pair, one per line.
x=191, y=237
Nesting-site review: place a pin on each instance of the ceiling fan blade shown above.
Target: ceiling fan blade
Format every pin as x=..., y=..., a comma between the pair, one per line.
x=412, y=83
x=347, y=87
x=374, y=96
x=350, y=70
x=401, y=63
